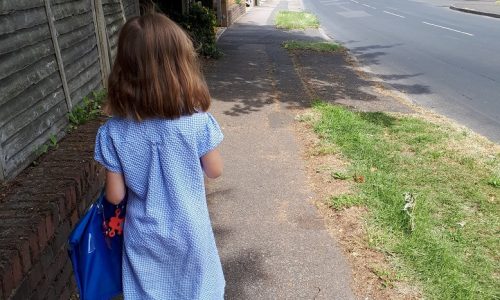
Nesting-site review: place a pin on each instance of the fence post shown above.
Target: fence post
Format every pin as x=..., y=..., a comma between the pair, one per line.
x=57, y=50
x=2, y=165
x=102, y=42
x=123, y=12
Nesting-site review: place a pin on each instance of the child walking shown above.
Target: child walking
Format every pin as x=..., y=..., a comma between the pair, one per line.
x=155, y=149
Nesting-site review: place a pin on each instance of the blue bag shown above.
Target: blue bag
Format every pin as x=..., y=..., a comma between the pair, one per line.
x=95, y=250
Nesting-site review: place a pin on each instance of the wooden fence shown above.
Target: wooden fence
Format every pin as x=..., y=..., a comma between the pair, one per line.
x=52, y=54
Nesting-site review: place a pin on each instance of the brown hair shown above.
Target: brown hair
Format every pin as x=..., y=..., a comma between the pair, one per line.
x=156, y=72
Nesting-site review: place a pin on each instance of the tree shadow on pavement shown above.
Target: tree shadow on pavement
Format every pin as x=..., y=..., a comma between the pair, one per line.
x=256, y=71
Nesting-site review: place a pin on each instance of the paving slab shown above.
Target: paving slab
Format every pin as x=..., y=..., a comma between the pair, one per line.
x=272, y=241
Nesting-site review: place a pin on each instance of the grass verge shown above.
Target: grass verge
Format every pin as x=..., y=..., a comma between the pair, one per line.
x=314, y=46
x=296, y=20
x=432, y=196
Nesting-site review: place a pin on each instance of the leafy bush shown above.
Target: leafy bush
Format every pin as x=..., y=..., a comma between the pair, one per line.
x=201, y=24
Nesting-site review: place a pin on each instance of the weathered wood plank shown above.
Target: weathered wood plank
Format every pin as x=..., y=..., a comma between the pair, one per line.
x=69, y=9
x=24, y=37
x=26, y=135
x=78, y=50
x=114, y=28
x=29, y=97
x=13, y=62
x=114, y=19
x=106, y=2
x=53, y=2
x=24, y=157
x=74, y=37
x=9, y=6
x=28, y=78
x=26, y=117
x=66, y=25
x=79, y=66
x=22, y=19
x=83, y=85
x=112, y=9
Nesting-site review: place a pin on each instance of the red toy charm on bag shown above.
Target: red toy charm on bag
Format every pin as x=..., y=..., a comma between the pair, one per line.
x=115, y=224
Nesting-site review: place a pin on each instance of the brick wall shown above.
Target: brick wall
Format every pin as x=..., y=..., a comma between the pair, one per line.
x=37, y=212
x=234, y=12
x=231, y=12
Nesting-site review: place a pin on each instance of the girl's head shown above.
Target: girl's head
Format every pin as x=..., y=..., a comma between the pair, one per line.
x=156, y=72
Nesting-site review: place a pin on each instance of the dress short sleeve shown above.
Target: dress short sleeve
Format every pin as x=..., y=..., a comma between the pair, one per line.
x=210, y=136
x=105, y=151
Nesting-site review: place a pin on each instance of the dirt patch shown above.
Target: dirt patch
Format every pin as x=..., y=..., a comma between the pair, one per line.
x=373, y=277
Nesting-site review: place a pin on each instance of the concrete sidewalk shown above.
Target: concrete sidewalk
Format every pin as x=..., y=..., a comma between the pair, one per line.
x=490, y=8
x=272, y=241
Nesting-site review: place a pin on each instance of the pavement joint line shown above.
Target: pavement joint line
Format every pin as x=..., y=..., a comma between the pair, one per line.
x=470, y=34
x=387, y=12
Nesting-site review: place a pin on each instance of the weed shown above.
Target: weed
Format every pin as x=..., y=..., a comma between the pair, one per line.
x=494, y=181
x=88, y=109
x=296, y=20
x=314, y=46
x=344, y=201
x=341, y=175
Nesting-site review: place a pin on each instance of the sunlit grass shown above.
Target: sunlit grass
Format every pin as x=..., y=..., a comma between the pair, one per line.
x=453, y=250
x=296, y=20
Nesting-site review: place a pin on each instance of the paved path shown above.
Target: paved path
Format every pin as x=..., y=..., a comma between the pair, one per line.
x=272, y=241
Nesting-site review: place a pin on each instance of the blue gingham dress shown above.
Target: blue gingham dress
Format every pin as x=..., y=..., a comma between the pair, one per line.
x=169, y=246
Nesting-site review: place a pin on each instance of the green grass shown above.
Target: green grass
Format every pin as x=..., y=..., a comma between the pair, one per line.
x=314, y=46
x=453, y=249
x=296, y=20
x=344, y=201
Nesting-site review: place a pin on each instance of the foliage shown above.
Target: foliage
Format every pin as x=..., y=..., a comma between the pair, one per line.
x=296, y=20
x=432, y=198
x=314, y=46
x=201, y=24
x=89, y=109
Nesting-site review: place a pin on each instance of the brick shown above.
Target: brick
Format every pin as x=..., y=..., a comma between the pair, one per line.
x=57, y=266
x=47, y=258
x=49, y=225
x=22, y=246
x=66, y=294
x=34, y=245
x=63, y=280
x=61, y=236
x=23, y=291
x=42, y=234
x=70, y=195
x=35, y=275
x=51, y=295
x=74, y=218
x=11, y=269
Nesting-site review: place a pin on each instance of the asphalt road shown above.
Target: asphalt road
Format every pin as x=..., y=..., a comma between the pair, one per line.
x=440, y=58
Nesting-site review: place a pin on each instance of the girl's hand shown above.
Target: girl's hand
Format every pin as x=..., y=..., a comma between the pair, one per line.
x=115, y=187
x=212, y=164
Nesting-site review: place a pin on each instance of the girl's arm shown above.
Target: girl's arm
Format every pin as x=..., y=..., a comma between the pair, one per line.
x=115, y=187
x=212, y=164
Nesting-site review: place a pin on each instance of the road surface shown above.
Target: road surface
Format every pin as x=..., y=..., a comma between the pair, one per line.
x=442, y=59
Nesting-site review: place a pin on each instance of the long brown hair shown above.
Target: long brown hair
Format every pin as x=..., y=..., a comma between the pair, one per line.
x=156, y=73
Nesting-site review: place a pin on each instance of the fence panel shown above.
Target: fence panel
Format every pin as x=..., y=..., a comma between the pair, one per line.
x=32, y=101
x=44, y=63
x=78, y=43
